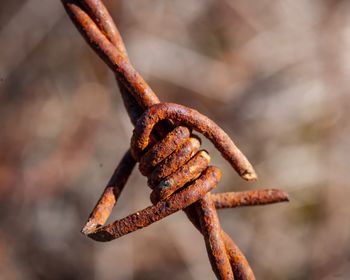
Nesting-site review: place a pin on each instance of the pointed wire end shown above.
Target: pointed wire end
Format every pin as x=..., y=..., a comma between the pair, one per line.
x=277, y=195
x=85, y=230
x=243, y=167
x=283, y=195
x=250, y=175
x=89, y=227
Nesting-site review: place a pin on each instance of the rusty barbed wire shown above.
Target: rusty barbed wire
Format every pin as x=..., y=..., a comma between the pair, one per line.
x=168, y=154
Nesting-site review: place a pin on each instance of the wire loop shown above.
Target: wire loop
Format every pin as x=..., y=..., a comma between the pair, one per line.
x=168, y=154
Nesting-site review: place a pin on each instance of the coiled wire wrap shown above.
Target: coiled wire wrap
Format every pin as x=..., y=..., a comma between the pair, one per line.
x=176, y=161
x=178, y=172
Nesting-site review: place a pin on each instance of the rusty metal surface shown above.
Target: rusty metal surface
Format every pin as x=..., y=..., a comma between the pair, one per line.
x=196, y=121
x=168, y=155
x=185, y=174
x=163, y=149
x=174, y=161
x=151, y=214
x=249, y=198
x=238, y=261
x=211, y=230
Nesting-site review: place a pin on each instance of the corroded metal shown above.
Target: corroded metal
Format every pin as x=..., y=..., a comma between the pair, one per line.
x=168, y=154
x=211, y=230
x=249, y=198
x=195, y=120
x=151, y=214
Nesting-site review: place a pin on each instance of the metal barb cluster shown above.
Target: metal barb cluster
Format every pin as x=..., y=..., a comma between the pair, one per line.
x=168, y=154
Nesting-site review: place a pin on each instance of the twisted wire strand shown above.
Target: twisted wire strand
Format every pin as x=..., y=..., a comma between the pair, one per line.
x=177, y=171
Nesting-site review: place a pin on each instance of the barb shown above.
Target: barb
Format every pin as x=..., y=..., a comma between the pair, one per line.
x=178, y=172
x=197, y=121
x=162, y=209
x=111, y=194
x=249, y=198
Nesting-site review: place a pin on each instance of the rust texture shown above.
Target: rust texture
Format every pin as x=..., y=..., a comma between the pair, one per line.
x=211, y=230
x=249, y=198
x=196, y=121
x=169, y=155
x=151, y=214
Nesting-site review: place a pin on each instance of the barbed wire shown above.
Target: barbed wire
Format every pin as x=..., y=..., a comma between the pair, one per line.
x=168, y=153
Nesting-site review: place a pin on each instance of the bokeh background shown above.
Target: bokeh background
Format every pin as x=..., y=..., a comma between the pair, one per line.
x=273, y=74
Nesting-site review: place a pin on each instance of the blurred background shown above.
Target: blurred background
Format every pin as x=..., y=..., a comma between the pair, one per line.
x=272, y=73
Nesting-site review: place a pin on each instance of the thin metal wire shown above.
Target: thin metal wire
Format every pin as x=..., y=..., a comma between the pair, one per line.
x=169, y=155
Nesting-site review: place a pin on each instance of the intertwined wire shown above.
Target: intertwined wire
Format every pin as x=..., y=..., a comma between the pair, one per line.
x=168, y=154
